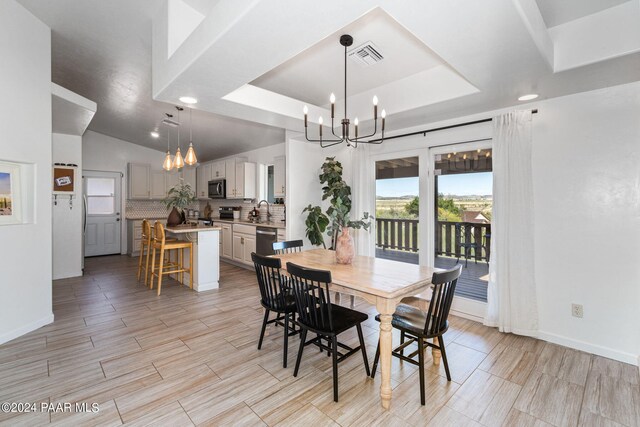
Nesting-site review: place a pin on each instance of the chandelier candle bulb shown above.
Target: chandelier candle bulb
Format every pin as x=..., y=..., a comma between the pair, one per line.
x=320, y=123
x=305, y=110
x=332, y=99
x=384, y=115
x=355, y=122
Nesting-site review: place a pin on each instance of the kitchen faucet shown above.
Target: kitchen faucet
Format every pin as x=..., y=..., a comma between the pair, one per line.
x=268, y=211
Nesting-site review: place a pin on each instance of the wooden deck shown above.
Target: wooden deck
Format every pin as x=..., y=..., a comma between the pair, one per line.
x=473, y=282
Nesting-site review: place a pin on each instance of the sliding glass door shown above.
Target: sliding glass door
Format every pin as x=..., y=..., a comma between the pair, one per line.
x=462, y=202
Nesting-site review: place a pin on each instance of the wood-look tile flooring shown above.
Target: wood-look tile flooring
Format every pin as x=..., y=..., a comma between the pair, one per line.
x=189, y=358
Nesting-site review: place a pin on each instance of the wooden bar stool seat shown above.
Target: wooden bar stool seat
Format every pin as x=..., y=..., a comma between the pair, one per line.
x=162, y=245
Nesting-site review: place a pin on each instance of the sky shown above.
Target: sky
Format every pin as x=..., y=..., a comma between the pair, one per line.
x=461, y=185
x=5, y=183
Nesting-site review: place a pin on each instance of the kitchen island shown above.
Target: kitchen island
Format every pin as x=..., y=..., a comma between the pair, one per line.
x=206, y=254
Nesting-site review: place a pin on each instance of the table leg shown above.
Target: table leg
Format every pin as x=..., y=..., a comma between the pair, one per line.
x=386, y=309
x=436, y=353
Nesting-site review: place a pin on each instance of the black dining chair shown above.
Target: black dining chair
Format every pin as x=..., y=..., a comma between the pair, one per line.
x=318, y=315
x=287, y=247
x=275, y=296
x=419, y=326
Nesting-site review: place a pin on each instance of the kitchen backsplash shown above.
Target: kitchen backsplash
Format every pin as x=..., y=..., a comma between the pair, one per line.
x=140, y=209
x=277, y=211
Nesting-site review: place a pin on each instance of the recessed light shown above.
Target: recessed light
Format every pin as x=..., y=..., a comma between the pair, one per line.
x=188, y=100
x=528, y=97
x=155, y=134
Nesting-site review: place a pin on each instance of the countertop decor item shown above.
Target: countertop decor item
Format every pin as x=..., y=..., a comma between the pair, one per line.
x=343, y=136
x=338, y=215
x=178, y=198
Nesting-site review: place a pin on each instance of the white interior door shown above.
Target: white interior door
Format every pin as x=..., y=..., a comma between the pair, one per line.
x=102, y=213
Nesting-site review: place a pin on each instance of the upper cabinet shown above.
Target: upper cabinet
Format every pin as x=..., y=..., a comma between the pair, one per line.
x=218, y=170
x=138, y=175
x=242, y=183
x=279, y=173
x=240, y=177
x=203, y=176
x=149, y=184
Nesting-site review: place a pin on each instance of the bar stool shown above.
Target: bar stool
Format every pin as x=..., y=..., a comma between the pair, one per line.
x=145, y=243
x=162, y=244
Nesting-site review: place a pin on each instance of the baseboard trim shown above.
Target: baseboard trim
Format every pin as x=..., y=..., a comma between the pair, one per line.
x=620, y=356
x=11, y=335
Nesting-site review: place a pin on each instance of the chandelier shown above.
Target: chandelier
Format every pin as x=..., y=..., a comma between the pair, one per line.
x=345, y=40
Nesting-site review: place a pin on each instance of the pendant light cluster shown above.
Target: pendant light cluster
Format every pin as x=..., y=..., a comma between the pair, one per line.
x=178, y=162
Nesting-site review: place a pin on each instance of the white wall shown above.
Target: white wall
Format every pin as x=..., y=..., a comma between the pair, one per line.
x=586, y=162
x=67, y=222
x=586, y=152
x=105, y=153
x=25, y=105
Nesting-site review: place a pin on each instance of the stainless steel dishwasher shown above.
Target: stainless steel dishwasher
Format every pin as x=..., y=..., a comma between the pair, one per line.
x=265, y=237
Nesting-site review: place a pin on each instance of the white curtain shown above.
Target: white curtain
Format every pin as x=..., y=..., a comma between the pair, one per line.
x=512, y=287
x=361, y=193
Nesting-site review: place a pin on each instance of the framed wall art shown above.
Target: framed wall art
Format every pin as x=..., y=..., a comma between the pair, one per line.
x=10, y=194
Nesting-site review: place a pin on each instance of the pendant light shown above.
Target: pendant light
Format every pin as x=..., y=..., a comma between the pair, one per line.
x=178, y=161
x=190, y=158
x=167, y=165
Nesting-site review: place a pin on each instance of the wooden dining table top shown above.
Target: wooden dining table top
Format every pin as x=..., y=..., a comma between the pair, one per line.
x=374, y=276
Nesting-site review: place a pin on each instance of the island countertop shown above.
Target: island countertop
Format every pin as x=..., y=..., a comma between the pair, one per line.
x=192, y=228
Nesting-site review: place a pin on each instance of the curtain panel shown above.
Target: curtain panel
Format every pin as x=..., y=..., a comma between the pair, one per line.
x=511, y=304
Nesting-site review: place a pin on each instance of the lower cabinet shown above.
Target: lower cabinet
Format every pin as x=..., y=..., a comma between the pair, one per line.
x=244, y=243
x=226, y=243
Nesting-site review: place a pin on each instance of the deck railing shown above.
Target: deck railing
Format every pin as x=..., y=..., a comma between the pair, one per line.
x=398, y=234
x=402, y=235
x=450, y=235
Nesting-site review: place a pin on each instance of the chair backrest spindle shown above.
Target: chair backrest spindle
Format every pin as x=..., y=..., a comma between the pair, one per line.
x=444, y=286
x=270, y=282
x=313, y=299
x=290, y=246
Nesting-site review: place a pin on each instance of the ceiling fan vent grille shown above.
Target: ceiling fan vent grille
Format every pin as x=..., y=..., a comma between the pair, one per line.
x=366, y=54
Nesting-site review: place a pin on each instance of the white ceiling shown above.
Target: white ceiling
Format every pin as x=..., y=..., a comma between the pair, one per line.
x=101, y=50
x=558, y=12
x=323, y=63
x=444, y=60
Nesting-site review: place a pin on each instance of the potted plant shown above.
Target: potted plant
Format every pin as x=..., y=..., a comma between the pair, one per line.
x=337, y=220
x=178, y=198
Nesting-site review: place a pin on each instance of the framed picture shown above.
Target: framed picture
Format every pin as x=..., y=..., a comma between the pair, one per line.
x=10, y=194
x=64, y=179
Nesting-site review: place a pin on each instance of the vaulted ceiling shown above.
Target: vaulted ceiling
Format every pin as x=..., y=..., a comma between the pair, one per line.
x=254, y=64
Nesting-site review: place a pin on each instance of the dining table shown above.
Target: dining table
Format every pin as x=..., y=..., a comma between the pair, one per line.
x=383, y=283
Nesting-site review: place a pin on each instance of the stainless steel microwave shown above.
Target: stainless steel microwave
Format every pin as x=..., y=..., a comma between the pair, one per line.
x=218, y=189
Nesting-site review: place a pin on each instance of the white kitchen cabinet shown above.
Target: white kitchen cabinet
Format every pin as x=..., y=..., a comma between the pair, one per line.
x=158, y=186
x=249, y=247
x=230, y=165
x=244, y=243
x=279, y=173
x=227, y=242
x=218, y=170
x=139, y=184
x=203, y=176
x=244, y=182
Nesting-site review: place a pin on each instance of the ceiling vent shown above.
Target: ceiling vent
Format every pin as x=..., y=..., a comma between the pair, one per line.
x=366, y=54
x=171, y=123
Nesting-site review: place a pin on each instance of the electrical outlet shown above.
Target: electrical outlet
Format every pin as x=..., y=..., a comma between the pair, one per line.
x=577, y=310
